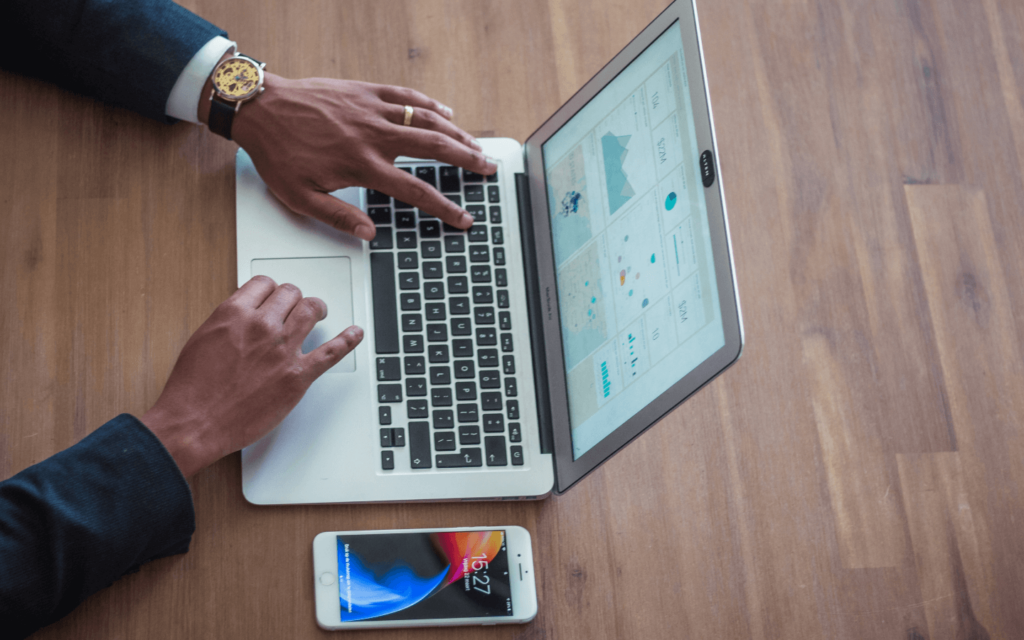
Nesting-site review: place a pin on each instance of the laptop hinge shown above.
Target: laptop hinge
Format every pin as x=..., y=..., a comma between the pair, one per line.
x=533, y=306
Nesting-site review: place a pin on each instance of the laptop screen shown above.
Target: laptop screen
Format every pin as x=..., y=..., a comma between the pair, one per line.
x=635, y=274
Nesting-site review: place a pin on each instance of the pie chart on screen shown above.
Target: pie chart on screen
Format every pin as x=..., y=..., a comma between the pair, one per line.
x=670, y=201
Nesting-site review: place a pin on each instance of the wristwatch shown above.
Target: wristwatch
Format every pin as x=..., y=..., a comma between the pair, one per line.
x=236, y=80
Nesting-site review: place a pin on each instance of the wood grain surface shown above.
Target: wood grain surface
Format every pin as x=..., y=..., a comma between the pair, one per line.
x=858, y=474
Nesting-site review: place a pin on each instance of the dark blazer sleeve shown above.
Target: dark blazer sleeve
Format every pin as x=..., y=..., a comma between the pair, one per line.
x=125, y=52
x=75, y=522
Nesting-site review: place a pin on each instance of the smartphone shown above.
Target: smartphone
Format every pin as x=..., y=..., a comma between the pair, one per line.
x=423, y=577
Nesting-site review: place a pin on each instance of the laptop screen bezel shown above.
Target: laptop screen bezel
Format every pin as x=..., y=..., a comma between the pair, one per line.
x=569, y=471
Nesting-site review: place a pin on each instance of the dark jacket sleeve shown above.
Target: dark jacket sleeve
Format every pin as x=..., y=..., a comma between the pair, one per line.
x=125, y=52
x=79, y=520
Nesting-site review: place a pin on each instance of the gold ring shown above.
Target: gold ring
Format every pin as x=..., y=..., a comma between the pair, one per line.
x=408, y=116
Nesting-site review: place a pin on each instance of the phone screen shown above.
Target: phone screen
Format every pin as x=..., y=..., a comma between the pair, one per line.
x=422, y=576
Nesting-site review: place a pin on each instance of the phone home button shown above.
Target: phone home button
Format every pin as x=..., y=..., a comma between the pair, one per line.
x=327, y=578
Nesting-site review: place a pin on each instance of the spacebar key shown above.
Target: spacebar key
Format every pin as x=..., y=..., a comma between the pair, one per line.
x=465, y=458
x=385, y=308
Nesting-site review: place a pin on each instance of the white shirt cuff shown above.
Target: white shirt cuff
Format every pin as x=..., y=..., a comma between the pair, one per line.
x=183, y=103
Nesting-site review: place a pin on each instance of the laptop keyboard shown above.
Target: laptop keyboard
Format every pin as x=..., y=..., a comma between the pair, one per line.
x=442, y=329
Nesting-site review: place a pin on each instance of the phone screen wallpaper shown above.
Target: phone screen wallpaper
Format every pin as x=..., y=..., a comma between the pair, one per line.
x=417, y=576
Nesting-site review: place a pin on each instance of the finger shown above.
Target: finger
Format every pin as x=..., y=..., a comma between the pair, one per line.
x=414, y=191
x=331, y=352
x=426, y=119
x=340, y=215
x=254, y=292
x=406, y=96
x=303, y=317
x=280, y=303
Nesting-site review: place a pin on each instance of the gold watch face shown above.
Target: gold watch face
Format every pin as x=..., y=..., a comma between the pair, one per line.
x=237, y=78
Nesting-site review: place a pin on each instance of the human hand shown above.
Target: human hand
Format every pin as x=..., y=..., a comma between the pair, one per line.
x=309, y=137
x=242, y=372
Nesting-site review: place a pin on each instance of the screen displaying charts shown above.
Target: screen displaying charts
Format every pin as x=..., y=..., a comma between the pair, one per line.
x=635, y=274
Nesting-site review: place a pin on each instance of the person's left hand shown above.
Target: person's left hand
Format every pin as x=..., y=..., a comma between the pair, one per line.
x=312, y=136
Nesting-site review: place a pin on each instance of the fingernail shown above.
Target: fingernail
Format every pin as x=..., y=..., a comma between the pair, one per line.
x=365, y=232
x=447, y=111
x=492, y=164
x=355, y=333
x=467, y=220
x=476, y=144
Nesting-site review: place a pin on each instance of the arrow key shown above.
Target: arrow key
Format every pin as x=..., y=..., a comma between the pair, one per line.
x=494, y=451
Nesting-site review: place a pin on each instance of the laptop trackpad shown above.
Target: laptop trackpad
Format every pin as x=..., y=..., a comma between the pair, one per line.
x=329, y=279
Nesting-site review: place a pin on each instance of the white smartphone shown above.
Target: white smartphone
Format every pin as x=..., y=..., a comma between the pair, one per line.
x=423, y=577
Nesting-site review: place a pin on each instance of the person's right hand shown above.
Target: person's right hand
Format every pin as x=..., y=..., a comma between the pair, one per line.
x=242, y=372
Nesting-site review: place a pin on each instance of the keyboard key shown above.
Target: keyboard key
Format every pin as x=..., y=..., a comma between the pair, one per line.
x=412, y=344
x=455, y=244
x=487, y=358
x=456, y=198
x=483, y=295
x=467, y=413
x=383, y=239
x=484, y=315
x=408, y=280
x=435, y=311
x=469, y=176
x=495, y=215
x=479, y=253
x=512, y=409
x=465, y=391
x=458, y=284
x=490, y=380
x=516, y=453
x=388, y=369
x=477, y=233
x=443, y=375
x=486, y=337
x=419, y=445
x=510, y=388
x=465, y=458
x=433, y=270
x=387, y=460
x=437, y=333
x=478, y=213
x=499, y=256
x=398, y=437
x=503, y=298
x=410, y=301
x=408, y=260
x=462, y=348
x=458, y=306
x=469, y=434
x=444, y=441
x=494, y=451
x=433, y=290
x=430, y=249
x=480, y=273
x=385, y=415
x=508, y=364
x=515, y=432
x=506, y=342
x=504, y=320
x=428, y=175
x=430, y=229
x=465, y=369
x=456, y=264
x=406, y=239
x=376, y=197
x=494, y=423
x=385, y=311
x=501, y=277
x=444, y=419
x=416, y=387
x=450, y=180
x=412, y=322
x=493, y=195
x=405, y=219
x=398, y=204
x=438, y=353
x=380, y=215
x=474, y=193
x=441, y=397
x=461, y=327
x=389, y=393
x=416, y=409
x=491, y=401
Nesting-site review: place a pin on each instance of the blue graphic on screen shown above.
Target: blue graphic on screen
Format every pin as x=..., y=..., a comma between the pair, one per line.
x=374, y=596
x=619, y=189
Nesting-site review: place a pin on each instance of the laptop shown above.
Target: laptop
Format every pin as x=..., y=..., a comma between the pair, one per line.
x=593, y=294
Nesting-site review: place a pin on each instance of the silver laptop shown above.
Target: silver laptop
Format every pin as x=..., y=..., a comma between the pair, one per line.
x=593, y=294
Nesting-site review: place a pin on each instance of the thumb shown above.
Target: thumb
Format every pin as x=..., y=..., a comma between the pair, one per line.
x=328, y=209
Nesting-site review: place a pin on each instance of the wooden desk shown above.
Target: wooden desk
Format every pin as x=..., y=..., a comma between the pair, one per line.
x=859, y=474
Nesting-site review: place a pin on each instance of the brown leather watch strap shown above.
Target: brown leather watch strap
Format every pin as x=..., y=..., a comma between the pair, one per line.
x=222, y=115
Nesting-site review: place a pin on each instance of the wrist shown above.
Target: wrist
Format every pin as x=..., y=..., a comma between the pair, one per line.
x=253, y=118
x=183, y=438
